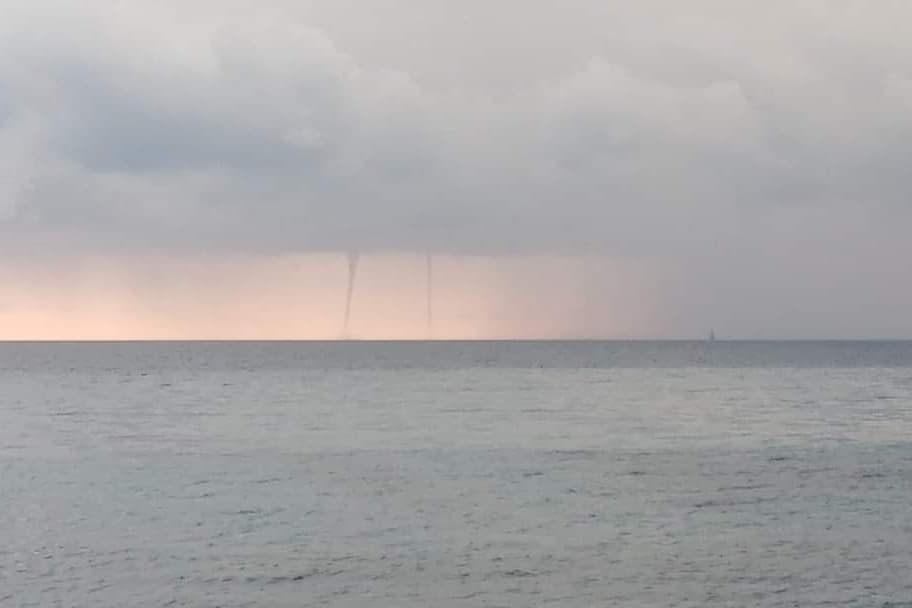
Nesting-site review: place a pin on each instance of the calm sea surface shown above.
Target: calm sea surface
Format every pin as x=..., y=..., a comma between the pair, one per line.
x=456, y=474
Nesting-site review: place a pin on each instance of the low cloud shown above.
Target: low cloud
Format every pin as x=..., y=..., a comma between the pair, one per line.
x=245, y=132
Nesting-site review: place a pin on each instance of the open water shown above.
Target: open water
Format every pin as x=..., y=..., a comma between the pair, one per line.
x=456, y=474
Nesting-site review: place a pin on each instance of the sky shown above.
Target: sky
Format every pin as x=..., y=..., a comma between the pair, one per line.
x=577, y=169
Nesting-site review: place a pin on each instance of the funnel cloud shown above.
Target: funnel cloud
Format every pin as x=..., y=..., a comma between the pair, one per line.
x=430, y=294
x=353, y=259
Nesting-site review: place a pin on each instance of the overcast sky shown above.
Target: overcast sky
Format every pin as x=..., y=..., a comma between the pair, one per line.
x=678, y=165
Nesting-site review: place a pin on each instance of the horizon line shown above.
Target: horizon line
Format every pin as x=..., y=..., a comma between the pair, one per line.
x=442, y=340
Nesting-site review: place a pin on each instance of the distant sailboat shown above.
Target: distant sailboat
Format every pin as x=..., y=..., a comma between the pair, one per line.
x=712, y=335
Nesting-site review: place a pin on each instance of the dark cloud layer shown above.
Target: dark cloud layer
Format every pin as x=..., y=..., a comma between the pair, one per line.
x=650, y=131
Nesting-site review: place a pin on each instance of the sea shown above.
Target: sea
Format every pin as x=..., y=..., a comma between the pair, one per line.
x=456, y=474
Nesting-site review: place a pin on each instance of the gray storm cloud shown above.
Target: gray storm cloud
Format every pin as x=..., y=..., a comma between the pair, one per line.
x=427, y=126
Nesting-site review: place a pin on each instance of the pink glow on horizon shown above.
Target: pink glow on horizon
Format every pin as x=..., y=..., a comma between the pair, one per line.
x=302, y=297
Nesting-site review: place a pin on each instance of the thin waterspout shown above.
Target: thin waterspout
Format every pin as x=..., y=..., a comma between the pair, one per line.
x=430, y=295
x=353, y=258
